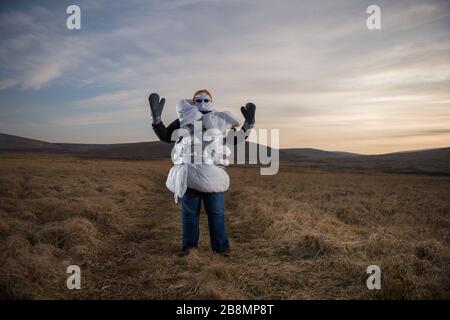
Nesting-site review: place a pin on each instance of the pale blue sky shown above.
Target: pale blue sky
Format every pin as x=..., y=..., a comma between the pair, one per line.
x=312, y=67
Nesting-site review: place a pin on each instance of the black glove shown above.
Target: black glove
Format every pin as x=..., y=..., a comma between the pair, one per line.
x=249, y=113
x=156, y=107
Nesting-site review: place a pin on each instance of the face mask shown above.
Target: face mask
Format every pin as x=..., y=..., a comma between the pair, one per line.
x=203, y=102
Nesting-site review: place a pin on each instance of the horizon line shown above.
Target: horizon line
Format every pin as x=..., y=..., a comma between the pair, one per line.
x=289, y=148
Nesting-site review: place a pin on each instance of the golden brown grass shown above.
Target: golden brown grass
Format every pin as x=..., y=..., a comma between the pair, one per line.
x=302, y=234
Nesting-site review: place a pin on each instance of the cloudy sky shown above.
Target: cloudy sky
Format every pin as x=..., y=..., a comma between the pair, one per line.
x=312, y=68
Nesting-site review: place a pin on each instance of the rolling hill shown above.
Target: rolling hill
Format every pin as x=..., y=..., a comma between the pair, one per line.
x=430, y=161
x=137, y=150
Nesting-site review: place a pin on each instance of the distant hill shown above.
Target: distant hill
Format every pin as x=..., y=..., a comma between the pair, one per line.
x=314, y=153
x=15, y=143
x=431, y=161
x=138, y=151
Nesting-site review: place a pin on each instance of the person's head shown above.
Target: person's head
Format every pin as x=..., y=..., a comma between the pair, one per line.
x=202, y=100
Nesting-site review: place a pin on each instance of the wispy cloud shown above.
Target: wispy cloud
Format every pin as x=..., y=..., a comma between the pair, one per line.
x=312, y=68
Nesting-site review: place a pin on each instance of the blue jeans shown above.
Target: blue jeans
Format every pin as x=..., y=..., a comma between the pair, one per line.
x=214, y=204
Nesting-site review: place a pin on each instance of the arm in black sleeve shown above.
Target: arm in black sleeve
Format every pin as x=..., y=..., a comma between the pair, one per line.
x=165, y=133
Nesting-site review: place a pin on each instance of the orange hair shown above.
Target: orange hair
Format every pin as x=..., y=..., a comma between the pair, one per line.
x=202, y=91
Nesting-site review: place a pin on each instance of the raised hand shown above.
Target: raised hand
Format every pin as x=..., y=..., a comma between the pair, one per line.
x=249, y=113
x=156, y=106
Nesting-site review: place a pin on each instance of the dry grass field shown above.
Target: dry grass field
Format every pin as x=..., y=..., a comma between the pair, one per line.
x=301, y=234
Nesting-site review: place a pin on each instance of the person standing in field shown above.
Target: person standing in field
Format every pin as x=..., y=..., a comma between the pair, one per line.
x=200, y=108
